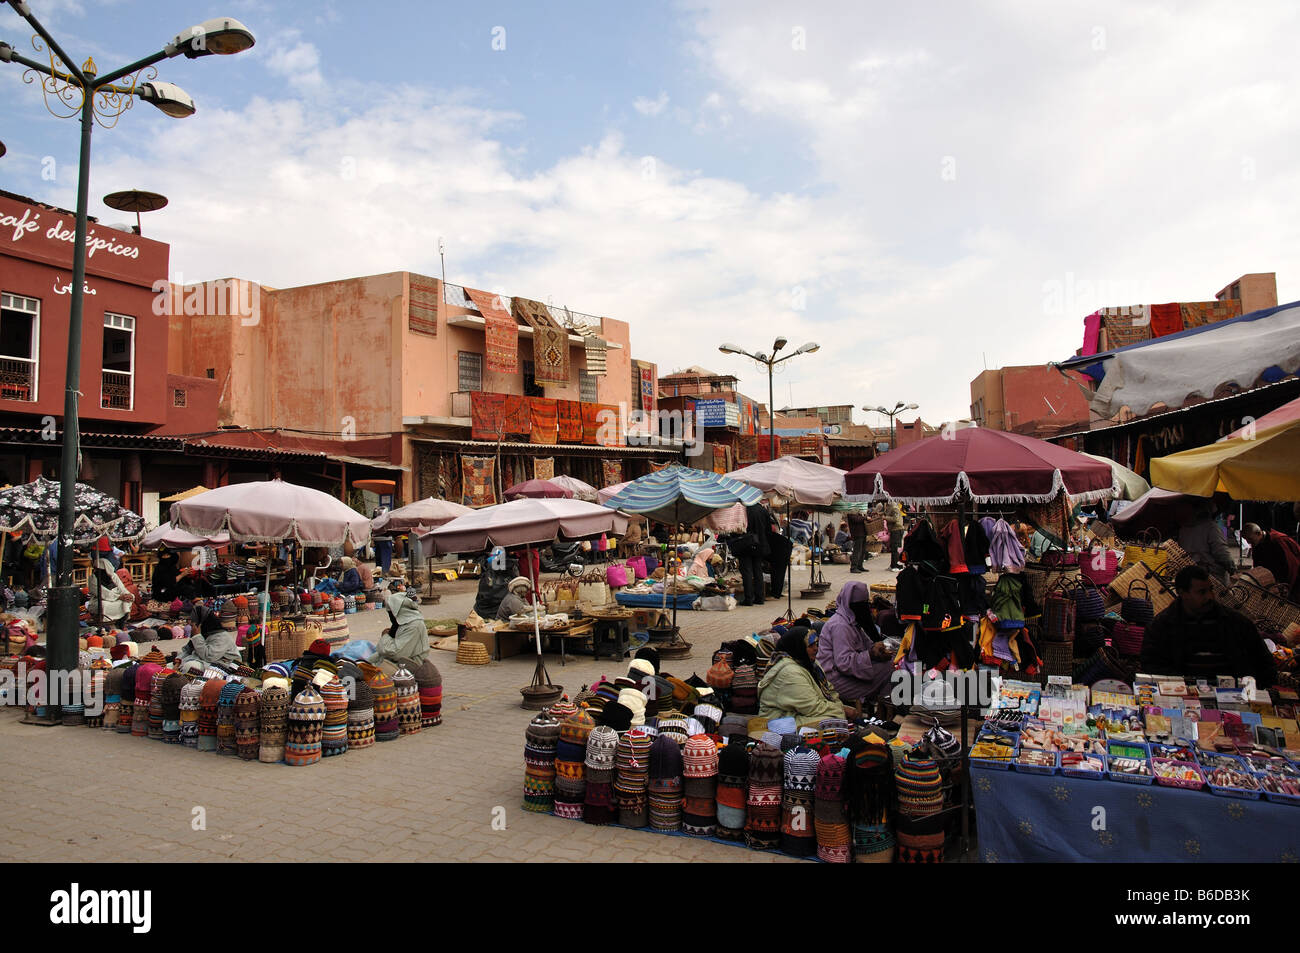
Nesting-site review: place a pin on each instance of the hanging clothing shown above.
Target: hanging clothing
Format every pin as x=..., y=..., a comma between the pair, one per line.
x=921, y=545
x=976, y=546
x=955, y=545
x=1005, y=551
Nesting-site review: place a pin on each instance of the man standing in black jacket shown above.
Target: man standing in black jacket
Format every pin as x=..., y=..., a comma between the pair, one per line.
x=1196, y=636
x=858, y=532
x=751, y=551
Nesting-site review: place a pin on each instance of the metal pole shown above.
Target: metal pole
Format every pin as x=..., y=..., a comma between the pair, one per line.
x=64, y=601
x=771, y=413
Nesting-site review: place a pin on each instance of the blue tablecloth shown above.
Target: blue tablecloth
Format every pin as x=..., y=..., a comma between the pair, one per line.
x=653, y=600
x=1029, y=817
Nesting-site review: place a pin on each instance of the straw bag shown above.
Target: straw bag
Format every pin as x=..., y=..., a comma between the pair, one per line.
x=1138, y=609
x=1041, y=581
x=286, y=640
x=597, y=593
x=1088, y=601
x=472, y=653
x=1058, y=616
x=1147, y=550
x=1127, y=638
x=1104, y=664
x=616, y=576
x=1100, y=566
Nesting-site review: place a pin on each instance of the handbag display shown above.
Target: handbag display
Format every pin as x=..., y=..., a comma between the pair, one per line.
x=1138, y=610
x=1146, y=550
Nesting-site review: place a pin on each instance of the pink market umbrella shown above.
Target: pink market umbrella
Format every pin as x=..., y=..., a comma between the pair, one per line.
x=1161, y=510
x=526, y=522
x=577, y=489
x=981, y=466
x=422, y=514
x=271, y=511
x=537, y=489
x=172, y=538
x=610, y=492
x=799, y=481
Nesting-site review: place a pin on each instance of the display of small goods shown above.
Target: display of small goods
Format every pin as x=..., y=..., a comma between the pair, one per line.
x=1217, y=735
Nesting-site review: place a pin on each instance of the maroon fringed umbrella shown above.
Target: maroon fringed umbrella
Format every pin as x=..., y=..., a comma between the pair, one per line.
x=537, y=490
x=980, y=466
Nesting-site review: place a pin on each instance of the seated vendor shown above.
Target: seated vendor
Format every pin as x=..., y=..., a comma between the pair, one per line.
x=210, y=644
x=406, y=640
x=163, y=585
x=842, y=539
x=794, y=687
x=850, y=650
x=516, y=598
x=350, y=583
x=1196, y=636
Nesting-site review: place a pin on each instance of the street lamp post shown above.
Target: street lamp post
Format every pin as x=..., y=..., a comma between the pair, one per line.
x=770, y=361
x=102, y=99
x=891, y=414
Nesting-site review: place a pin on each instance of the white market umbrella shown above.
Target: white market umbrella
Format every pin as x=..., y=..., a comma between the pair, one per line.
x=172, y=538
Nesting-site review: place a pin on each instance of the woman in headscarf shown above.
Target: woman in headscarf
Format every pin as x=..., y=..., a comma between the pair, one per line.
x=794, y=687
x=110, y=599
x=210, y=644
x=164, y=576
x=406, y=641
x=516, y=598
x=856, y=662
x=350, y=583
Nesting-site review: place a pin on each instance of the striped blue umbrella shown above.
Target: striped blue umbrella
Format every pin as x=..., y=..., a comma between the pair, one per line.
x=679, y=494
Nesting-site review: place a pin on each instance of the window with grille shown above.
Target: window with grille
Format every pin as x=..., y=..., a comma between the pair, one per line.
x=469, y=371
x=20, y=319
x=587, y=388
x=531, y=387
x=179, y=397
x=636, y=388
x=117, y=380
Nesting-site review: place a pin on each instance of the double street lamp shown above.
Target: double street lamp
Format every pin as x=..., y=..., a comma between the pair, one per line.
x=70, y=91
x=771, y=360
x=898, y=408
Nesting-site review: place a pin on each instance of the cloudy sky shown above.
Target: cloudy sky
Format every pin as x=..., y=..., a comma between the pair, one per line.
x=923, y=189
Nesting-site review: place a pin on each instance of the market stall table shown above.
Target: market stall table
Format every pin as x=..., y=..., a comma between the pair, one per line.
x=1053, y=818
x=574, y=629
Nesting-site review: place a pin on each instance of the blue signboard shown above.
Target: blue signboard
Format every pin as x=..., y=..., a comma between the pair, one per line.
x=711, y=413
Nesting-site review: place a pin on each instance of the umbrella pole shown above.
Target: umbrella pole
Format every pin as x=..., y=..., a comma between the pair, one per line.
x=266, y=600
x=789, y=568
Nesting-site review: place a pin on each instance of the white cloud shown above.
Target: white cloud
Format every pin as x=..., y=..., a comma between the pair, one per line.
x=296, y=60
x=651, y=107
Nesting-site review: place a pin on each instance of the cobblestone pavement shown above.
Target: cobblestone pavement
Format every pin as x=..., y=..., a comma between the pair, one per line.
x=451, y=793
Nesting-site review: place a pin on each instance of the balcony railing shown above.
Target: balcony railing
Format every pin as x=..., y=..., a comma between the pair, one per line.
x=455, y=295
x=115, y=390
x=17, y=378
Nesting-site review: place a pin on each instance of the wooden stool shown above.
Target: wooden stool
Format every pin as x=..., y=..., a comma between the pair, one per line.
x=613, y=630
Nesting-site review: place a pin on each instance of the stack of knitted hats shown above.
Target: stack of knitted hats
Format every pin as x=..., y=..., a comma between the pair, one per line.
x=408, y=701
x=798, y=836
x=387, y=726
x=170, y=699
x=273, y=723
x=570, y=755
x=209, y=701
x=834, y=732
x=229, y=614
x=708, y=715
x=429, y=682
x=920, y=799
x=720, y=677
x=306, y=723
x=334, y=733
x=869, y=783
x=744, y=691
x=662, y=702
x=94, y=684
x=665, y=790
x=154, y=725
x=733, y=784
x=361, y=715
x=144, y=674
x=632, y=777
x=189, y=710
x=831, y=820
x=226, y=743
x=598, y=774
x=126, y=700
x=112, y=697
x=617, y=716
x=673, y=724
x=635, y=701
x=763, y=818
x=699, y=785
x=541, y=738
x=248, y=724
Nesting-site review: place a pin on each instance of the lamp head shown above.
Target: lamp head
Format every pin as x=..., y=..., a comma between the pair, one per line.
x=911, y=406
x=780, y=343
x=168, y=97
x=730, y=349
x=221, y=36
x=809, y=348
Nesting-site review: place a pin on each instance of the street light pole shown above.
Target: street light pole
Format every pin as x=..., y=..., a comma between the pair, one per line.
x=220, y=36
x=770, y=361
x=891, y=414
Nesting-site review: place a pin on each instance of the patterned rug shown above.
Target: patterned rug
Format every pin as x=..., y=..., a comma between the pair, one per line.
x=550, y=342
x=478, y=479
x=502, y=332
x=612, y=471
x=545, y=428
x=543, y=468
x=569, y=414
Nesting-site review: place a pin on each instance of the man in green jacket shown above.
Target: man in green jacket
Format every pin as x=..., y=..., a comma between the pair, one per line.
x=794, y=687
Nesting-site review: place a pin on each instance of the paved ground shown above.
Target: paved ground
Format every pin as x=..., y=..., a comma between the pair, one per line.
x=451, y=793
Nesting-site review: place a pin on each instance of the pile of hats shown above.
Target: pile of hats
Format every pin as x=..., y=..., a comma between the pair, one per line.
x=334, y=732
x=599, y=771
x=831, y=820
x=570, y=757
x=869, y=783
x=408, y=701
x=209, y=700
x=763, y=798
x=387, y=726
x=248, y=724
x=732, y=789
x=273, y=721
x=798, y=836
x=169, y=693
x=632, y=777
x=226, y=743
x=541, y=738
x=699, y=785
x=920, y=828
x=429, y=682
x=306, y=724
x=361, y=715
x=665, y=787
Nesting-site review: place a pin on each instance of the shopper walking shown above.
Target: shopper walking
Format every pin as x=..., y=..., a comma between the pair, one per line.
x=858, y=533
x=894, y=523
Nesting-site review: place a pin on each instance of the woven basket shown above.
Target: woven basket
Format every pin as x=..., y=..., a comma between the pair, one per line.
x=1137, y=607
x=472, y=653
x=1088, y=602
x=1105, y=663
x=1100, y=565
x=286, y=640
x=1041, y=580
x=1058, y=658
x=1161, y=597
x=1058, y=618
x=1127, y=638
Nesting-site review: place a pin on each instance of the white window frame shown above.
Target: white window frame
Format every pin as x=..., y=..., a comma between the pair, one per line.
x=16, y=302
x=119, y=322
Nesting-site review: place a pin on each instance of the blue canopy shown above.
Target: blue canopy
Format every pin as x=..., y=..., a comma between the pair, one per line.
x=679, y=494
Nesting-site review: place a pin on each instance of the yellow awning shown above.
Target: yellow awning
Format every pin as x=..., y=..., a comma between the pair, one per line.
x=1265, y=467
x=177, y=497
